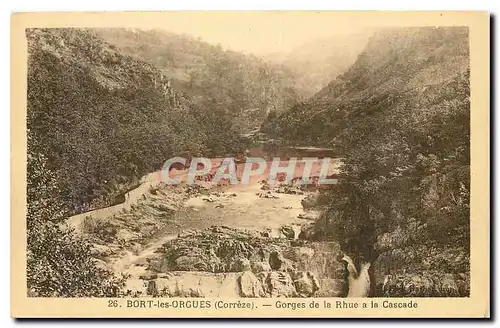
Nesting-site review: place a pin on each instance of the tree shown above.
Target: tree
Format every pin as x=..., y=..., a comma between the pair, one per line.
x=59, y=263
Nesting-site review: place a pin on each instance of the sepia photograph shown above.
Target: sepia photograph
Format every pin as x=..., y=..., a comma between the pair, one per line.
x=215, y=160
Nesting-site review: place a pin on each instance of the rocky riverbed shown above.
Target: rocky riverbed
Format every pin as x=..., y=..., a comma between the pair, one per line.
x=222, y=261
x=206, y=240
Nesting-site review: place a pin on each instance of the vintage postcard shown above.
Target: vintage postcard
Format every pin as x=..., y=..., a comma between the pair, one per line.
x=250, y=164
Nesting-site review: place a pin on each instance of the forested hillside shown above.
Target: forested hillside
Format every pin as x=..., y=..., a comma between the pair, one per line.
x=400, y=118
x=103, y=118
x=243, y=86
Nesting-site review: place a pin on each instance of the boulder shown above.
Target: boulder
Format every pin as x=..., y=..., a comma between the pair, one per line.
x=241, y=264
x=309, y=202
x=288, y=232
x=172, y=287
x=136, y=288
x=100, y=251
x=277, y=261
x=299, y=253
x=447, y=286
x=310, y=216
x=260, y=266
x=306, y=284
x=250, y=285
x=195, y=284
x=332, y=288
x=191, y=263
x=280, y=284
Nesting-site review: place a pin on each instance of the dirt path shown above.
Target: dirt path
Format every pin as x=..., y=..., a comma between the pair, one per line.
x=131, y=198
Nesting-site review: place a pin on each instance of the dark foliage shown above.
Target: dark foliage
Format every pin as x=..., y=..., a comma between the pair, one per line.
x=103, y=121
x=59, y=263
x=400, y=117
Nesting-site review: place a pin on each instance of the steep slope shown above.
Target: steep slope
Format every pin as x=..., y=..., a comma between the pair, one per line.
x=409, y=63
x=244, y=86
x=400, y=118
x=103, y=118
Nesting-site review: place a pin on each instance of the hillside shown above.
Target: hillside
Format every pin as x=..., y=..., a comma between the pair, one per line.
x=409, y=63
x=319, y=61
x=243, y=86
x=103, y=118
x=400, y=118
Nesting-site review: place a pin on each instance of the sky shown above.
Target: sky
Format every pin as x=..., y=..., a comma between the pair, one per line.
x=259, y=32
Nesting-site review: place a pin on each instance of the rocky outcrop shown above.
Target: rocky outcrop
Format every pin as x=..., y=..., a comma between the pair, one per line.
x=246, y=263
x=406, y=267
x=250, y=286
x=233, y=284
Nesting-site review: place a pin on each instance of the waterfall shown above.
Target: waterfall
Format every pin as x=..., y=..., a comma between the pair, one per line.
x=359, y=282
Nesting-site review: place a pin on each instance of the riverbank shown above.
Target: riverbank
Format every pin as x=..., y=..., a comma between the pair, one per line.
x=172, y=229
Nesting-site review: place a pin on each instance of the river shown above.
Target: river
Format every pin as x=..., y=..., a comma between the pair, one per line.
x=232, y=206
x=155, y=178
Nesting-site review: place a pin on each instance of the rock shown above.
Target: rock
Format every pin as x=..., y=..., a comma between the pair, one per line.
x=267, y=194
x=280, y=284
x=306, y=284
x=332, y=288
x=250, y=285
x=272, y=233
x=136, y=288
x=463, y=285
x=191, y=263
x=286, y=189
x=260, y=266
x=309, y=202
x=174, y=287
x=408, y=285
x=241, y=264
x=163, y=207
x=101, y=264
x=125, y=235
x=311, y=216
x=448, y=287
x=288, y=232
x=195, y=284
x=278, y=263
x=299, y=253
x=149, y=276
x=100, y=251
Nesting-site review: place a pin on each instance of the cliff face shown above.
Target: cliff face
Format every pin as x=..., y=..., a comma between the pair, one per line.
x=400, y=117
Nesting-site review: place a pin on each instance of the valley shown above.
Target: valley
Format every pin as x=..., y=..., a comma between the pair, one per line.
x=108, y=107
x=256, y=224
